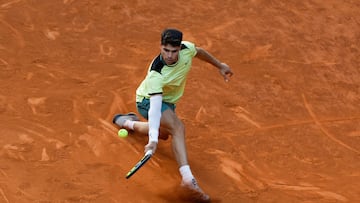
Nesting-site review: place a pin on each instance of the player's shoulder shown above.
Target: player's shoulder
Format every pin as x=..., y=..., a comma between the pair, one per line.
x=188, y=48
x=157, y=64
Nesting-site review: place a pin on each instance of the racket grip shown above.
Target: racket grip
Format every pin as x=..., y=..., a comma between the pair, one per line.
x=149, y=152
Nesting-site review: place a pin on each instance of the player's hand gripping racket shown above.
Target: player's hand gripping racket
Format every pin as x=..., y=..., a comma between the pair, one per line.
x=145, y=158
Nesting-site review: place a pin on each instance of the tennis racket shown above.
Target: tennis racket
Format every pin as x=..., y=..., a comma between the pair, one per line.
x=143, y=160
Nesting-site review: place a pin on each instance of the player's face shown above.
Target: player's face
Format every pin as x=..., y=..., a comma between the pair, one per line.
x=169, y=53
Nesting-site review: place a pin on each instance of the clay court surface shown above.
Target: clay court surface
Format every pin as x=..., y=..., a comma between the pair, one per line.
x=286, y=128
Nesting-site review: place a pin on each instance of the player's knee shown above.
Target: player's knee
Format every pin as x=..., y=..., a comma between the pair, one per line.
x=179, y=128
x=172, y=124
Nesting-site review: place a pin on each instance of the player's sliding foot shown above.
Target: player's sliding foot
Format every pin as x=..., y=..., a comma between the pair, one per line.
x=120, y=119
x=194, y=191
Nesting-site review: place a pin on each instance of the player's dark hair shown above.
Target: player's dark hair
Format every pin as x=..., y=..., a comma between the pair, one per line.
x=172, y=37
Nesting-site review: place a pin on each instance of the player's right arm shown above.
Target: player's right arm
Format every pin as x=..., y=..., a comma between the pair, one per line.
x=154, y=121
x=154, y=85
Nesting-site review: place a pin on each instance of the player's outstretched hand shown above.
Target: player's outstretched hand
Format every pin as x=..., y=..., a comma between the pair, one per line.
x=225, y=71
x=151, y=146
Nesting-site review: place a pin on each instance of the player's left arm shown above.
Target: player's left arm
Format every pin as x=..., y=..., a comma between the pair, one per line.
x=224, y=69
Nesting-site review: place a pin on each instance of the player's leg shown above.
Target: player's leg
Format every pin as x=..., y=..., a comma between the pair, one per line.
x=130, y=121
x=143, y=128
x=174, y=126
x=170, y=124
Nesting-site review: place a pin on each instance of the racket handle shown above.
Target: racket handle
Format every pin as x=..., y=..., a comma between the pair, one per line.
x=148, y=152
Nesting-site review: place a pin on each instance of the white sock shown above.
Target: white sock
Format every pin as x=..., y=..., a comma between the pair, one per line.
x=186, y=173
x=129, y=124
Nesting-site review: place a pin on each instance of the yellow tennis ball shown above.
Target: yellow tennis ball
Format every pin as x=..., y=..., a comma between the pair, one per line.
x=123, y=133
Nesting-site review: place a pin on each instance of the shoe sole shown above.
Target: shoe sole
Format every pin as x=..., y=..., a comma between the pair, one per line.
x=119, y=115
x=195, y=195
